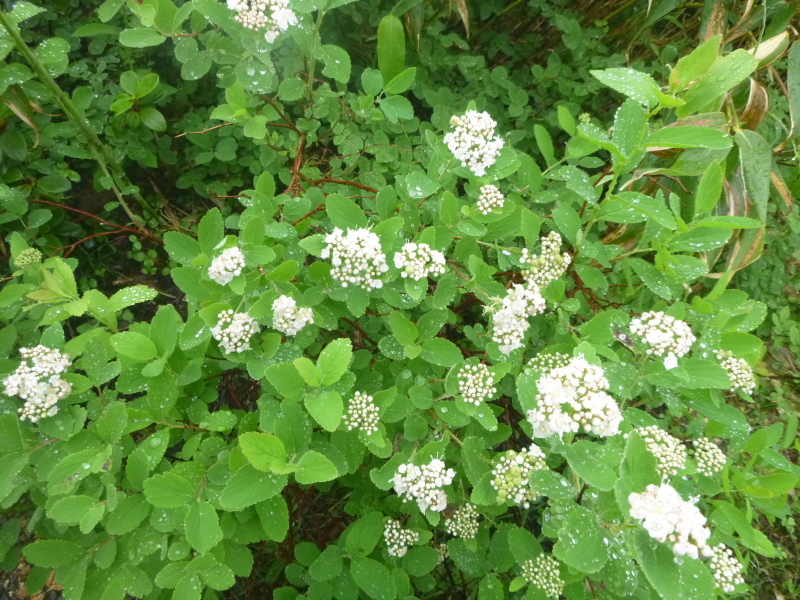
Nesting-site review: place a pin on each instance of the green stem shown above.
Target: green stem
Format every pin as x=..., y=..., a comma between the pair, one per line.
x=101, y=153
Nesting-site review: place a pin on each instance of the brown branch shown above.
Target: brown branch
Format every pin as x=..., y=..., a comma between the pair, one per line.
x=138, y=232
x=204, y=130
x=360, y=186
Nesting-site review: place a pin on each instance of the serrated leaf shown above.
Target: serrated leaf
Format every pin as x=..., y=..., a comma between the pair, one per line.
x=314, y=467
x=168, y=490
x=262, y=449
x=201, y=526
x=334, y=360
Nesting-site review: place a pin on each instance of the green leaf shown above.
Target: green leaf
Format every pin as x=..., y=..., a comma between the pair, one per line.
x=287, y=380
x=583, y=457
x=72, y=509
x=52, y=553
x=141, y=37
x=373, y=578
x=439, y=351
x=274, y=515
x=545, y=144
x=128, y=514
x=249, y=486
x=134, y=345
x=365, y=534
x=337, y=62
x=401, y=82
x=397, y=108
x=566, y=121
x=210, y=231
x=327, y=565
x=567, y=220
x=421, y=561
x=695, y=64
x=709, y=189
x=308, y=370
x=723, y=75
x=168, y=490
x=262, y=449
x=391, y=47
x=132, y=295
x=755, y=154
x=581, y=544
x=344, y=213
x=748, y=535
x=687, y=136
x=639, y=86
x=403, y=330
x=201, y=526
x=146, y=85
x=652, y=277
x=326, y=409
x=652, y=208
x=730, y=222
x=112, y=423
x=334, y=360
x=685, y=580
x=314, y=467
x=700, y=239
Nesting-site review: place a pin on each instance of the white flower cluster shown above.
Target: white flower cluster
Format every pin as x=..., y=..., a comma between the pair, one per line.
x=362, y=414
x=397, y=538
x=574, y=397
x=28, y=257
x=424, y=484
x=667, y=517
x=491, y=197
x=549, y=265
x=511, y=319
x=442, y=550
x=226, y=266
x=726, y=568
x=356, y=256
x=419, y=261
x=710, y=459
x=543, y=572
x=273, y=15
x=289, y=319
x=668, y=450
x=473, y=141
x=40, y=383
x=463, y=523
x=511, y=474
x=664, y=335
x=739, y=371
x=233, y=331
x=475, y=383
x=544, y=363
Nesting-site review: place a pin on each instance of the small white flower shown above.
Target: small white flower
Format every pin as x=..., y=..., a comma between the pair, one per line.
x=356, y=257
x=669, y=518
x=226, y=266
x=463, y=523
x=491, y=197
x=549, y=265
x=289, y=319
x=475, y=383
x=710, y=459
x=543, y=572
x=397, y=538
x=726, y=568
x=362, y=414
x=424, y=484
x=664, y=336
x=274, y=16
x=419, y=261
x=668, y=450
x=473, y=142
x=511, y=319
x=234, y=330
x=511, y=474
x=740, y=373
x=574, y=397
x=39, y=383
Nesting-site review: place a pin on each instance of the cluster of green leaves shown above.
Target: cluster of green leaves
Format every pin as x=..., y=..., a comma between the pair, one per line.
x=173, y=468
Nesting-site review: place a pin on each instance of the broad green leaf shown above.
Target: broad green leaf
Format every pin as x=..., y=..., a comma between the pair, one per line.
x=730, y=222
x=373, y=578
x=748, y=535
x=326, y=409
x=141, y=37
x=327, y=565
x=287, y=380
x=308, y=370
x=722, y=76
x=337, y=62
x=201, y=526
x=652, y=208
x=687, y=136
x=581, y=544
x=52, y=553
x=709, y=189
x=391, y=47
x=440, y=351
x=72, y=509
x=421, y=561
x=654, y=279
x=755, y=154
x=401, y=82
x=249, y=486
x=568, y=221
x=700, y=239
x=634, y=84
x=274, y=515
x=695, y=64
x=168, y=490
x=403, y=330
x=262, y=449
x=334, y=360
x=344, y=213
x=134, y=345
x=314, y=467
x=365, y=534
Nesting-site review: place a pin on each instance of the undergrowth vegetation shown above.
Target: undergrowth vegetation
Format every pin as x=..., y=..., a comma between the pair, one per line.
x=361, y=299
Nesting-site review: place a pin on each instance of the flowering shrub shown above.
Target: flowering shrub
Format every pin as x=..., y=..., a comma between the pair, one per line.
x=368, y=381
